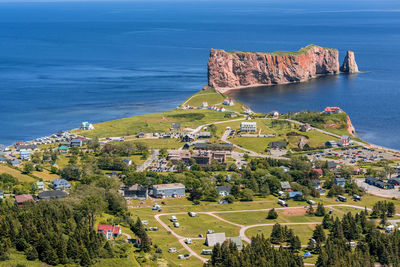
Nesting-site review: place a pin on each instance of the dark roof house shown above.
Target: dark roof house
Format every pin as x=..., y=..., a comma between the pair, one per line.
x=53, y=194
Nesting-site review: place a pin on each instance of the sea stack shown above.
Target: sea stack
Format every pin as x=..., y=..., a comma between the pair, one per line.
x=349, y=63
x=233, y=70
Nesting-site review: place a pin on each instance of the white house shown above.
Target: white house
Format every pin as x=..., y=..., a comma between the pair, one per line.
x=248, y=126
x=87, y=126
x=204, y=105
x=228, y=102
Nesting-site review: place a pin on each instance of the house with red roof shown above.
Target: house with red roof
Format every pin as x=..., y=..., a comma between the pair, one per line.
x=319, y=171
x=332, y=110
x=109, y=230
x=274, y=113
x=22, y=199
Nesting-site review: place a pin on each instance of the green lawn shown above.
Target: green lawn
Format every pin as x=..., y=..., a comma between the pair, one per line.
x=193, y=226
x=259, y=217
x=210, y=96
x=4, y=168
x=303, y=231
x=155, y=122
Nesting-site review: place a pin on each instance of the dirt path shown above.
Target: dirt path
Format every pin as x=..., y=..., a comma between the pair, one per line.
x=243, y=228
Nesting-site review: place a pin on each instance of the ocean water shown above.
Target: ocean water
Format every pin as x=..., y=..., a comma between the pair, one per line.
x=62, y=63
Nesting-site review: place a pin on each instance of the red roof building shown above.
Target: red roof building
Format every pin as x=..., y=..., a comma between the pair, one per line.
x=109, y=230
x=20, y=199
x=332, y=110
x=319, y=171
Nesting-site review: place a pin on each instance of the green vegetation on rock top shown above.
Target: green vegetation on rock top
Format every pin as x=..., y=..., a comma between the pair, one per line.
x=282, y=53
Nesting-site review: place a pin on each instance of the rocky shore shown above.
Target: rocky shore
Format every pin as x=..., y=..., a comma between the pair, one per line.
x=233, y=70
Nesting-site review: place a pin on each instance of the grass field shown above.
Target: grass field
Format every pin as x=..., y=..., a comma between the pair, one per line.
x=303, y=231
x=162, y=143
x=210, y=96
x=193, y=226
x=46, y=175
x=155, y=122
x=259, y=217
x=16, y=173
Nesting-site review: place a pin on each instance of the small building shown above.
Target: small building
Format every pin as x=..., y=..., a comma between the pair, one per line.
x=215, y=238
x=305, y=127
x=204, y=105
x=296, y=195
x=61, y=184
x=135, y=191
x=371, y=180
x=127, y=161
x=22, y=199
x=1, y=194
x=53, y=194
x=109, y=230
x=140, y=134
x=76, y=142
x=25, y=155
x=228, y=102
x=238, y=241
x=332, y=110
x=206, y=252
x=278, y=145
x=87, y=126
x=223, y=190
x=384, y=185
x=331, y=144
x=204, y=135
x=169, y=190
x=15, y=162
x=248, y=126
x=63, y=149
x=3, y=160
x=316, y=184
x=285, y=169
x=340, y=181
x=332, y=165
x=40, y=185
x=394, y=181
x=175, y=126
x=187, y=138
x=274, y=113
x=285, y=185
x=345, y=141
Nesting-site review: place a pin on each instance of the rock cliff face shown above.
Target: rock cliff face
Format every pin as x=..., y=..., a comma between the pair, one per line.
x=349, y=63
x=232, y=70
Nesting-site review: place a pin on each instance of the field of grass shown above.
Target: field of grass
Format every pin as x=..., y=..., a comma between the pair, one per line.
x=256, y=144
x=259, y=217
x=210, y=96
x=193, y=226
x=303, y=231
x=16, y=173
x=170, y=143
x=46, y=175
x=155, y=122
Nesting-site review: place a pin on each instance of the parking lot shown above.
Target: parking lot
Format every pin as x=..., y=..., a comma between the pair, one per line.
x=371, y=189
x=352, y=155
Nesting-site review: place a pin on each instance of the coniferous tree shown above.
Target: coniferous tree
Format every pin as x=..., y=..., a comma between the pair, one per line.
x=320, y=210
x=272, y=214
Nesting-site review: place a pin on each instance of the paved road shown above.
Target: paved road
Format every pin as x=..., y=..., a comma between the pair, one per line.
x=154, y=155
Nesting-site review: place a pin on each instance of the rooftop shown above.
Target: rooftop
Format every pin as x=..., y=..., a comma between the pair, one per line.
x=165, y=186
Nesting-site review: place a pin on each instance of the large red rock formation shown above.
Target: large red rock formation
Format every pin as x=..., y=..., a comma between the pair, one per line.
x=349, y=63
x=230, y=70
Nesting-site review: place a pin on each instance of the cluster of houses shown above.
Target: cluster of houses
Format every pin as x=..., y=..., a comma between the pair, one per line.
x=382, y=184
x=158, y=191
x=332, y=110
x=341, y=142
x=59, y=185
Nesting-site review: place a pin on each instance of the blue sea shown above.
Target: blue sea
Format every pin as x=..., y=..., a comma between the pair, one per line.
x=62, y=63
